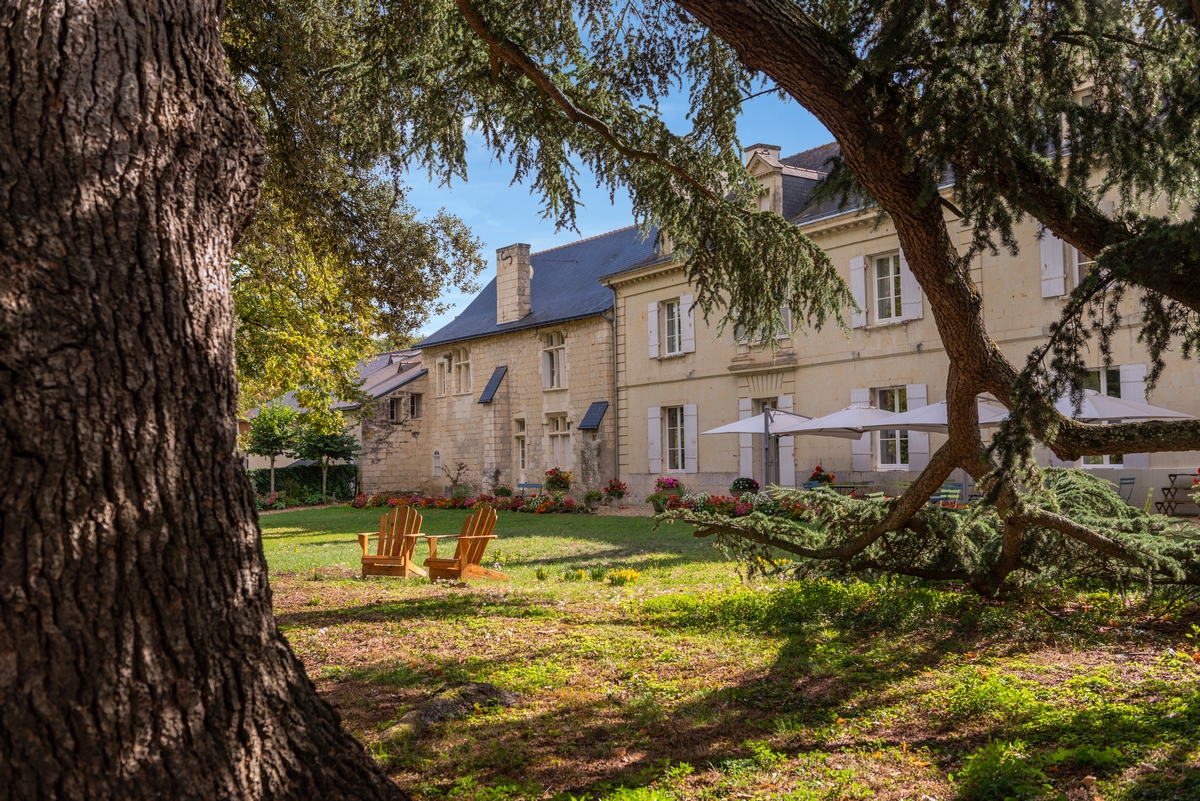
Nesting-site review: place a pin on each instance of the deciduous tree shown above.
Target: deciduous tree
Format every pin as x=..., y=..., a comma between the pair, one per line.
x=272, y=433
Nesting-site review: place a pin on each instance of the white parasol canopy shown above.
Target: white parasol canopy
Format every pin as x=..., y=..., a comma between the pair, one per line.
x=1103, y=407
x=932, y=418
x=756, y=425
x=849, y=423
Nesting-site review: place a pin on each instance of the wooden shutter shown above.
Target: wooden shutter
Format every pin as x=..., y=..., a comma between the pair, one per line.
x=546, y=357
x=652, y=328
x=787, y=449
x=654, y=439
x=745, y=441
x=691, y=440
x=1133, y=387
x=687, y=325
x=858, y=290
x=860, y=449
x=918, y=441
x=912, y=304
x=1054, y=278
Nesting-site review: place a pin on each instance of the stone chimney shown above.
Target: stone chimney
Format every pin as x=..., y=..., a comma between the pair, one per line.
x=514, y=274
x=770, y=151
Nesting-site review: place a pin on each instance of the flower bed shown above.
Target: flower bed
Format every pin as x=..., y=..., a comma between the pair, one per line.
x=730, y=506
x=538, y=504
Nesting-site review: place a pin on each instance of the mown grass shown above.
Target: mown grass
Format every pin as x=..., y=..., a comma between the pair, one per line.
x=687, y=683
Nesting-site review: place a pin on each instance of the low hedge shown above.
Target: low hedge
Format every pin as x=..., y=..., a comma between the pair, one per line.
x=308, y=477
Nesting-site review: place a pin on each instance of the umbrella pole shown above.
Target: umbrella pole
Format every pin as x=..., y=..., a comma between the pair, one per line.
x=766, y=447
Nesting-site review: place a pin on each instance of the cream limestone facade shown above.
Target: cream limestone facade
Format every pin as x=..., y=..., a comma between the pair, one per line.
x=892, y=357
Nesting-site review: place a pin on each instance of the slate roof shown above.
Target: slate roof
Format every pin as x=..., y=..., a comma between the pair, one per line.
x=565, y=286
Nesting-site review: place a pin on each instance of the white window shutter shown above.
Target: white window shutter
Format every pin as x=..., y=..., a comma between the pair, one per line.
x=1056, y=462
x=745, y=441
x=546, y=357
x=918, y=441
x=912, y=304
x=691, y=440
x=1133, y=387
x=860, y=449
x=858, y=290
x=652, y=329
x=687, y=325
x=1054, y=277
x=1108, y=208
x=786, y=313
x=654, y=438
x=787, y=449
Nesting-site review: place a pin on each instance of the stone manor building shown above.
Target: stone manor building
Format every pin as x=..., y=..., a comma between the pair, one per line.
x=520, y=382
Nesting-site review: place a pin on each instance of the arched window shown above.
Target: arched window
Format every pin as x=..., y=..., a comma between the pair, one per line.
x=437, y=463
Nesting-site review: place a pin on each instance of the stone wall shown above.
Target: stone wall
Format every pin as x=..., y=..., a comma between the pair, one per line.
x=395, y=456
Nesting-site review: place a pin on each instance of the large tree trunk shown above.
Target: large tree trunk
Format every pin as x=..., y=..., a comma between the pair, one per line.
x=139, y=657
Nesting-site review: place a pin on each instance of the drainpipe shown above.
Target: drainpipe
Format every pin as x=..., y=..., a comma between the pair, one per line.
x=616, y=407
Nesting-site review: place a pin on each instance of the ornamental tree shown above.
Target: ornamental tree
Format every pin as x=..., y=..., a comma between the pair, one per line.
x=272, y=433
x=324, y=438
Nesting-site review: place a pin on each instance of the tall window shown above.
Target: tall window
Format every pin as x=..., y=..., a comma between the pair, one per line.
x=674, y=420
x=554, y=360
x=673, y=342
x=414, y=406
x=887, y=287
x=520, y=443
x=1106, y=382
x=462, y=370
x=443, y=373
x=394, y=410
x=559, y=430
x=893, y=445
x=1083, y=266
x=437, y=463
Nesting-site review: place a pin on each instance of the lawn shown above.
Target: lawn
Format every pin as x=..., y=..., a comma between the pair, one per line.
x=688, y=683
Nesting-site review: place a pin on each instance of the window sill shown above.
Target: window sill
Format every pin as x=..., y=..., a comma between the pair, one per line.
x=886, y=323
x=892, y=468
x=555, y=389
x=458, y=394
x=666, y=356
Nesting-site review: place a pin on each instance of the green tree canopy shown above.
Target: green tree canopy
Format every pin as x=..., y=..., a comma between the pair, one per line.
x=335, y=257
x=324, y=438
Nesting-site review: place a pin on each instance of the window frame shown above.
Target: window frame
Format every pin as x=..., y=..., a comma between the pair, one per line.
x=676, y=451
x=416, y=405
x=520, y=435
x=437, y=462
x=393, y=406
x=672, y=319
x=895, y=297
x=900, y=440
x=554, y=359
x=560, y=436
x=462, y=371
x=1104, y=385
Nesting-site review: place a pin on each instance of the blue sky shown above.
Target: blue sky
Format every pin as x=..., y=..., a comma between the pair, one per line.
x=501, y=214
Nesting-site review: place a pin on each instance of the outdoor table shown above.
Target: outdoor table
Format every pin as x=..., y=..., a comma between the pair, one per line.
x=1169, y=502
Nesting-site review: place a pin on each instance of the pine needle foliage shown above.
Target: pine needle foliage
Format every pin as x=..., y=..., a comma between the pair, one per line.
x=960, y=543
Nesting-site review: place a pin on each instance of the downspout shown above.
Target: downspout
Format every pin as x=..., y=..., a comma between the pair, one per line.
x=616, y=407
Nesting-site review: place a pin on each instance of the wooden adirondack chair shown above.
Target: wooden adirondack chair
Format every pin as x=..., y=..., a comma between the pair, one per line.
x=398, y=533
x=472, y=542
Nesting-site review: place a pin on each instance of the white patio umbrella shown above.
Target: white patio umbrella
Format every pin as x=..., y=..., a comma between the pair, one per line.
x=757, y=425
x=848, y=423
x=932, y=418
x=1103, y=407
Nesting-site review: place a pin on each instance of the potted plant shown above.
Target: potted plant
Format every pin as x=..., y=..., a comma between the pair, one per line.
x=614, y=491
x=557, y=480
x=664, y=486
x=821, y=476
x=742, y=485
x=592, y=498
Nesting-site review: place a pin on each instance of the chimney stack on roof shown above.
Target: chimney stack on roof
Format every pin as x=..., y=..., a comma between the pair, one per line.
x=514, y=274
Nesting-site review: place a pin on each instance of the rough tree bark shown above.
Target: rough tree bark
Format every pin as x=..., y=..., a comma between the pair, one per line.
x=139, y=657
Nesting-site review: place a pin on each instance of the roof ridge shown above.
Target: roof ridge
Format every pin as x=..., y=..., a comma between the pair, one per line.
x=581, y=241
x=806, y=152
